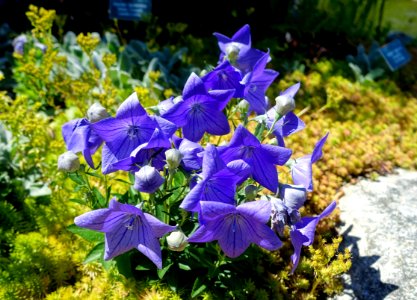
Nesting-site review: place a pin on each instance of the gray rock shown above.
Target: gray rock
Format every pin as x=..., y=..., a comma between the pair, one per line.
x=379, y=226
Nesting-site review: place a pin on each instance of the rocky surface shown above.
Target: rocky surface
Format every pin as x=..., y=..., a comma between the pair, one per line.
x=380, y=228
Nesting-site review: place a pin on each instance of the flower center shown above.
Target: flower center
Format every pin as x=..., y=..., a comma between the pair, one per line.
x=133, y=131
x=129, y=224
x=197, y=108
x=223, y=76
x=247, y=151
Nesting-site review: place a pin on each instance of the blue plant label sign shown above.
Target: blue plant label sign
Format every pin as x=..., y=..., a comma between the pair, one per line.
x=395, y=54
x=131, y=10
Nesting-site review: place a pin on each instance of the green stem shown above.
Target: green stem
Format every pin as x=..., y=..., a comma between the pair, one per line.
x=277, y=118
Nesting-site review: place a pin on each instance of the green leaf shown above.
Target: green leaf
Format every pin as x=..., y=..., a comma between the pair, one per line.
x=162, y=272
x=198, y=287
x=87, y=234
x=95, y=254
x=101, y=200
x=184, y=267
x=76, y=178
x=124, y=265
x=94, y=174
x=142, y=268
x=79, y=201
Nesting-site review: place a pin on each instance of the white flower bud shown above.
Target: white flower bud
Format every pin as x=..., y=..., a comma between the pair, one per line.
x=243, y=104
x=148, y=180
x=97, y=112
x=173, y=158
x=177, y=241
x=284, y=104
x=68, y=162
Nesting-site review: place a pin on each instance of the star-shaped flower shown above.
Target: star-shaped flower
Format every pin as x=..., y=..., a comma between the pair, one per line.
x=126, y=227
x=302, y=233
x=256, y=83
x=218, y=181
x=224, y=77
x=130, y=128
x=238, y=49
x=261, y=157
x=200, y=111
x=236, y=227
x=79, y=137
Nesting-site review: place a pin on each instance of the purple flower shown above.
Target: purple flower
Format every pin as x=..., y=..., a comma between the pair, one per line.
x=238, y=49
x=256, y=83
x=130, y=128
x=126, y=227
x=285, y=210
x=200, y=111
x=224, y=77
x=148, y=180
x=288, y=123
x=151, y=152
x=301, y=170
x=285, y=126
x=261, y=157
x=19, y=44
x=79, y=137
x=302, y=233
x=236, y=227
x=218, y=181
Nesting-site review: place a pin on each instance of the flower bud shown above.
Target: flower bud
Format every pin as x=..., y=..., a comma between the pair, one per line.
x=243, y=104
x=68, y=162
x=177, y=240
x=284, y=104
x=97, y=112
x=148, y=180
x=19, y=43
x=173, y=158
x=251, y=191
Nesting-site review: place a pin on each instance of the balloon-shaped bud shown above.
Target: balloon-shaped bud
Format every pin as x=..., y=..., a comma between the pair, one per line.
x=148, y=180
x=173, y=158
x=96, y=113
x=68, y=162
x=177, y=240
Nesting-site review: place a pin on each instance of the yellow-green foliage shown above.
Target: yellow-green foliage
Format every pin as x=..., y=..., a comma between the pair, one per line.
x=372, y=127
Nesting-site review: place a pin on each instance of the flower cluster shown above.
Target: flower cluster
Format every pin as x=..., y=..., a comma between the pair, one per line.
x=223, y=180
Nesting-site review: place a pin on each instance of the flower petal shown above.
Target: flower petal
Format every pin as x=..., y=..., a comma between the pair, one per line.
x=233, y=235
x=103, y=220
x=257, y=210
x=191, y=202
x=202, y=235
x=264, y=172
x=297, y=240
x=263, y=236
x=291, y=91
x=317, y=152
x=130, y=108
x=276, y=154
x=193, y=86
x=212, y=163
x=122, y=238
x=159, y=228
x=301, y=172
